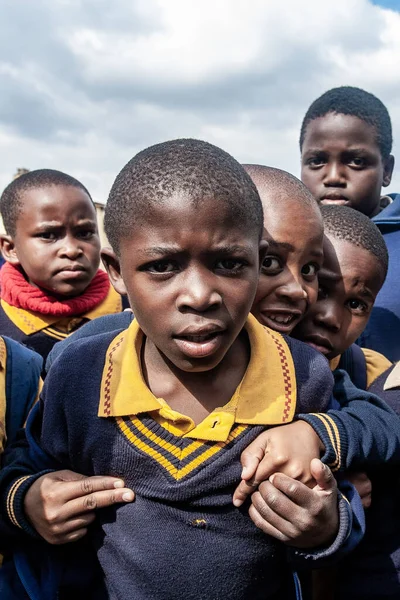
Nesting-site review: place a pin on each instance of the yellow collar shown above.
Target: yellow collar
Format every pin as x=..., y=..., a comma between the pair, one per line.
x=393, y=380
x=265, y=396
x=30, y=322
x=334, y=363
x=3, y=354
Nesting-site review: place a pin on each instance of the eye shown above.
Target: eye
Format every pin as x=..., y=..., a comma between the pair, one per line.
x=271, y=265
x=357, y=306
x=316, y=161
x=161, y=267
x=86, y=234
x=47, y=235
x=357, y=162
x=310, y=270
x=230, y=264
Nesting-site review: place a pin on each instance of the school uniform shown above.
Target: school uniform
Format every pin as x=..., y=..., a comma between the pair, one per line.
x=382, y=332
x=38, y=320
x=182, y=536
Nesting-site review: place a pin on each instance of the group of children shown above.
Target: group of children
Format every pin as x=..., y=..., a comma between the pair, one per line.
x=208, y=442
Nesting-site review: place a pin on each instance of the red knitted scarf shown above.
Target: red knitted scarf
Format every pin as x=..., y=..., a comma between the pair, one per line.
x=16, y=291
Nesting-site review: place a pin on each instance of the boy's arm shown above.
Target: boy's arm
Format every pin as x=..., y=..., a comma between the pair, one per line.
x=38, y=498
x=319, y=523
x=363, y=431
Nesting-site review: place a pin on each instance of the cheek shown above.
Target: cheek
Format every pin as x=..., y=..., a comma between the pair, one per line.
x=264, y=289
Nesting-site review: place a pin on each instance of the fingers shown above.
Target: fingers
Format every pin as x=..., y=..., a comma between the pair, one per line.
x=243, y=490
x=253, y=455
x=268, y=512
x=75, y=485
x=322, y=475
x=96, y=500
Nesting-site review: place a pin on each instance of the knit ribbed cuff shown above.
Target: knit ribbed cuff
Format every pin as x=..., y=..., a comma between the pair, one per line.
x=333, y=435
x=343, y=542
x=15, y=502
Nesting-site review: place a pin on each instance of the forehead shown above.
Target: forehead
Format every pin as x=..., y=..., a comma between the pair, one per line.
x=291, y=221
x=55, y=202
x=341, y=131
x=350, y=266
x=183, y=224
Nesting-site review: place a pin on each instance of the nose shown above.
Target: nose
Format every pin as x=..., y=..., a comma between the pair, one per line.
x=328, y=315
x=198, y=291
x=292, y=289
x=70, y=247
x=334, y=175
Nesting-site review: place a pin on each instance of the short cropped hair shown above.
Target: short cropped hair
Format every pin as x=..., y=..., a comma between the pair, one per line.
x=279, y=182
x=352, y=226
x=11, y=199
x=355, y=102
x=198, y=169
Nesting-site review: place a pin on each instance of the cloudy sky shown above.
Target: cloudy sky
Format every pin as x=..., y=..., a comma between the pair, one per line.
x=85, y=84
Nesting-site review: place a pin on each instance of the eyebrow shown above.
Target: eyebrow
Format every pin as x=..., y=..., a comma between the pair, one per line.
x=285, y=245
x=58, y=224
x=156, y=251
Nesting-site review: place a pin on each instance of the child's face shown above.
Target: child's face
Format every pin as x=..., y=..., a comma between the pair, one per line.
x=341, y=163
x=56, y=242
x=349, y=281
x=288, y=281
x=190, y=275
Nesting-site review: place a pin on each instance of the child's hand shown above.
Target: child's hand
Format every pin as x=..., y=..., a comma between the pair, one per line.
x=61, y=505
x=363, y=485
x=294, y=514
x=288, y=449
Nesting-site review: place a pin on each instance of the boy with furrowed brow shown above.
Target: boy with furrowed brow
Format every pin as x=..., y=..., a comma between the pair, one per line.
x=169, y=404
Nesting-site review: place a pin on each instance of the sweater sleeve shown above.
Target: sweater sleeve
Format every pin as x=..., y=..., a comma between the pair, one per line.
x=350, y=532
x=362, y=431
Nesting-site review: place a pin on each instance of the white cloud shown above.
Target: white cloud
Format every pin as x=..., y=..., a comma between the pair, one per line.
x=86, y=84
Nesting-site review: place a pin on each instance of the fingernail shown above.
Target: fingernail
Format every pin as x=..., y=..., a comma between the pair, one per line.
x=127, y=496
x=272, y=478
x=244, y=472
x=119, y=484
x=237, y=503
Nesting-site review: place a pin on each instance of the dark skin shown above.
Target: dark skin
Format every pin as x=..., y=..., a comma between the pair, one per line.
x=56, y=243
x=190, y=283
x=349, y=282
x=341, y=163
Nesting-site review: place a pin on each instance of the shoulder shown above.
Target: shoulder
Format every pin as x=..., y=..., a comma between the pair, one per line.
x=376, y=364
x=106, y=324
x=387, y=387
x=314, y=377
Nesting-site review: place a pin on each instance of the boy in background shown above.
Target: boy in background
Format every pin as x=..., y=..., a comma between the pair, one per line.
x=50, y=284
x=345, y=142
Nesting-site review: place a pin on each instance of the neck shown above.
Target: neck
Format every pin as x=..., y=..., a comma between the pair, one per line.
x=196, y=394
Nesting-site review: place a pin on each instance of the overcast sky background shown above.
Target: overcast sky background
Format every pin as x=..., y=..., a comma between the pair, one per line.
x=85, y=84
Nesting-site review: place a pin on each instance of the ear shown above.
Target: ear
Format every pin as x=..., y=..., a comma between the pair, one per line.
x=8, y=250
x=263, y=249
x=113, y=268
x=388, y=167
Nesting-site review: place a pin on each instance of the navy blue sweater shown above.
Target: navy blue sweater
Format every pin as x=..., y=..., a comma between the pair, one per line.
x=182, y=537
x=383, y=329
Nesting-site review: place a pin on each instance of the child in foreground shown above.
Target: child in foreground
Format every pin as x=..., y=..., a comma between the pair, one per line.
x=50, y=284
x=176, y=397
x=346, y=142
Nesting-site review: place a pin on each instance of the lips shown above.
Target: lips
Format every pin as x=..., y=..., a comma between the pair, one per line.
x=335, y=198
x=282, y=321
x=199, y=342
x=72, y=269
x=319, y=343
